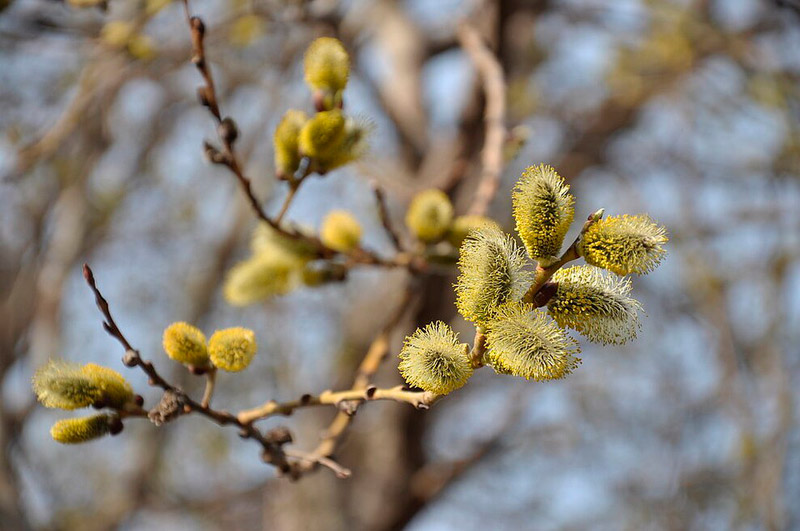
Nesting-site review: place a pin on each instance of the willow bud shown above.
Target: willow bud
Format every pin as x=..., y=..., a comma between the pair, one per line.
x=341, y=231
x=523, y=341
x=323, y=135
x=186, y=344
x=432, y=359
x=327, y=67
x=115, y=391
x=261, y=277
x=352, y=147
x=624, y=244
x=492, y=273
x=429, y=215
x=543, y=210
x=65, y=385
x=232, y=349
x=286, y=142
x=595, y=305
x=83, y=429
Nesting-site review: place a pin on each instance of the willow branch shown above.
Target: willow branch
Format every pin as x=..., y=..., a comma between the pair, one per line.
x=228, y=133
x=494, y=86
x=272, y=447
x=383, y=214
x=340, y=399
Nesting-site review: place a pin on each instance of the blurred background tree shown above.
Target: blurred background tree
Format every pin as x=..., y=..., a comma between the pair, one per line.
x=687, y=110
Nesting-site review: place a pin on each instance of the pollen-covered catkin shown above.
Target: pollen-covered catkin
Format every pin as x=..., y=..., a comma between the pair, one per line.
x=429, y=215
x=594, y=304
x=624, y=244
x=61, y=384
x=543, y=211
x=64, y=385
x=83, y=429
x=185, y=343
x=523, y=341
x=323, y=134
x=261, y=277
x=232, y=349
x=432, y=359
x=287, y=143
x=341, y=231
x=492, y=273
x=353, y=145
x=327, y=67
x=116, y=392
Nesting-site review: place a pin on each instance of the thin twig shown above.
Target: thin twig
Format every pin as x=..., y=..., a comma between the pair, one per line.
x=211, y=380
x=494, y=86
x=383, y=214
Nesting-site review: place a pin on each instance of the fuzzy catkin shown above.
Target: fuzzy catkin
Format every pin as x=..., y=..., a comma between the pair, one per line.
x=64, y=385
x=341, y=231
x=327, y=65
x=492, y=273
x=432, y=359
x=261, y=277
x=543, y=211
x=624, y=244
x=185, y=343
x=286, y=142
x=523, y=341
x=429, y=215
x=82, y=429
x=594, y=304
x=323, y=134
x=232, y=349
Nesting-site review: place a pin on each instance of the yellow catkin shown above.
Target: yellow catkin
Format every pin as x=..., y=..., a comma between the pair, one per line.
x=543, y=211
x=261, y=277
x=83, y=429
x=185, y=343
x=115, y=390
x=267, y=240
x=463, y=225
x=432, y=359
x=352, y=147
x=61, y=384
x=492, y=273
x=594, y=304
x=323, y=135
x=286, y=142
x=232, y=349
x=429, y=215
x=327, y=65
x=624, y=244
x=341, y=231
x=64, y=385
x=523, y=341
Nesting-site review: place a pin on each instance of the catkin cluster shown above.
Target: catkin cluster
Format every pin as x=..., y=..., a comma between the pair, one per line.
x=329, y=138
x=304, y=144
x=231, y=349
x=516, y=337
x=65, y=385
